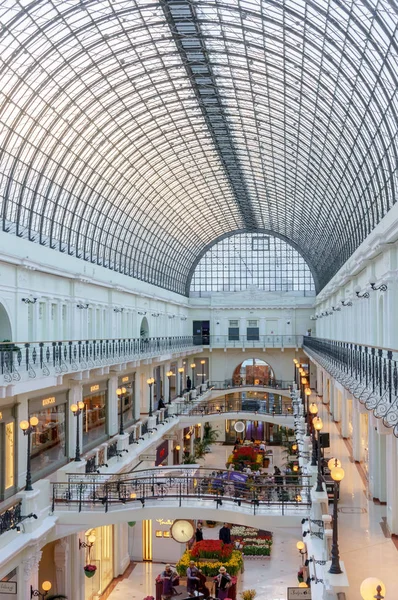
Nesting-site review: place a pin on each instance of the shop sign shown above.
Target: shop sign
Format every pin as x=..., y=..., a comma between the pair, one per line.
x=8, y=587
x=165, y=521
x=94, y=388
x=48, y=401
x=162, y=452
x=125, y=379
x=296, y=593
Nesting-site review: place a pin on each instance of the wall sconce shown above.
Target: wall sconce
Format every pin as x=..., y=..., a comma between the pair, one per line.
x=90, y=542
x=29, y=300
x=382, y=287
x=118, y=310
x=184, y=318
x=156, y=314
x=357, y=290
x=313, y=317
x=349, y=303
x=140, y=312
x=46, y=585
x=82, y=305
x=171, y=316
x=336, y=309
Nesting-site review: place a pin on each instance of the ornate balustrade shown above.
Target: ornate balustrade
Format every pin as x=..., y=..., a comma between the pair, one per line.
x=369, y=373
x=46, y=358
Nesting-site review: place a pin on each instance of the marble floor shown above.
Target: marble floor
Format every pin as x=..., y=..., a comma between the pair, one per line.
x=364, y=548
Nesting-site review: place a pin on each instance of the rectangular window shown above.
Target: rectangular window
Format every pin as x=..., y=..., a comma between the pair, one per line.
x=260, y=243
x=10, y=456
x=233, y=334
x=253, y=334
x=49, y=438
x=234, y=324
x=94, y=416
x=252, y=323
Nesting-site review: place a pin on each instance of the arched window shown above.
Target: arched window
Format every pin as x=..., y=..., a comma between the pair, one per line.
x=252, y=260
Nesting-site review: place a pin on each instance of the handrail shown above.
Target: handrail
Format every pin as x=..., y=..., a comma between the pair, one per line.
x=229, y=384
x=250, y=341
x=87, y=495
x=369, y=373
x=247, y=405
x=84, y=340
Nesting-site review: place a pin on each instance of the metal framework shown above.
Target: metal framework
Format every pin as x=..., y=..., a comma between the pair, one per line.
x=136, y=132
x=251, y=260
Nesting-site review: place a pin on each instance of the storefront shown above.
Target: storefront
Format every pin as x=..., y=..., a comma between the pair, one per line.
x=7, y=452
x=94, y=415
x=101, y=556
x=48, y=449
x=128, y=399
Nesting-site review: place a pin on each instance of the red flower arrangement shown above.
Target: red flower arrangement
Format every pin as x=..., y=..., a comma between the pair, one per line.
x=212, y=549
x=89, y=570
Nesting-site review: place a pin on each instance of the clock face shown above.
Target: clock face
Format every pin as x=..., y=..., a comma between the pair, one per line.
x=181, y=530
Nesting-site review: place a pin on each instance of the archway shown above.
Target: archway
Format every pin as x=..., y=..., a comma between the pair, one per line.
x=5, y=325
x=253, y=371
x=144, y=328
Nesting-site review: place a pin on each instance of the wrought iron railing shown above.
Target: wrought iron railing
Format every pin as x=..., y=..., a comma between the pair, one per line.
x=369, y=373
x=290, y=496
x=68, y=356
x=271, y=406
x=231, y=384
x=10, y=518
x=249, y=341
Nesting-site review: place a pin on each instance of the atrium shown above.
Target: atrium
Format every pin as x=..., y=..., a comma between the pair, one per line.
x=198, y=291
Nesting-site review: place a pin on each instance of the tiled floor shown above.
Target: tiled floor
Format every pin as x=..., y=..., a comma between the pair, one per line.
x=363, y=546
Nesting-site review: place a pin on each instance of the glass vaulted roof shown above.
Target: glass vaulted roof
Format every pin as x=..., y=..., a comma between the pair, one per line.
x=134, y=133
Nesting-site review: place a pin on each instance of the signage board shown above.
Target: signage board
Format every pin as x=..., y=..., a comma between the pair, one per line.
x=8, y=587
x=297, y=593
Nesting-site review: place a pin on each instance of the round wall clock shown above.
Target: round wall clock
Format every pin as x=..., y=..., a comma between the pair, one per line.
x=182, y=531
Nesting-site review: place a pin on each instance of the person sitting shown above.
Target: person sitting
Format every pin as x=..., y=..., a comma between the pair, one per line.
x=223, y=583
x=169, y=578
x=161, y=403
x=193, y=578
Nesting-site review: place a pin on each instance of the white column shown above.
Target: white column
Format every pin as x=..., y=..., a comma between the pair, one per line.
x=22, y=443
x=29, y=572
x=121, y=558
x=62, y=585
x=345, y=429
x=137, y=396
x=374, y=460
x=392, y=483
x=356, y=432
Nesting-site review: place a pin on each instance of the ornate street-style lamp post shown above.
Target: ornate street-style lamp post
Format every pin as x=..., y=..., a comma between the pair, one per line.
x=169, y=375
x=313, y=411
x=150, y=382
x=337, y=474
x=120, y=394
x=27, y=428
x=203, y=362
x=317, y=423
x=193, y=365
x=181, y=371
x=77, y=410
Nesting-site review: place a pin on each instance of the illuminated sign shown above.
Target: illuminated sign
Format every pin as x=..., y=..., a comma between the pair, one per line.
x=48, y=401
x=94, y=388
x=164, y=522
x=125, y=379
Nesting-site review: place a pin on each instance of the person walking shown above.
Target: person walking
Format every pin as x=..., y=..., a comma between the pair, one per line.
x=225, y=534
x=199, y=532
x=189, y=383
x=193, y=577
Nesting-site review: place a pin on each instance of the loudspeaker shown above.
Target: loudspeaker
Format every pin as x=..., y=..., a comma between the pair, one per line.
x=324, y=440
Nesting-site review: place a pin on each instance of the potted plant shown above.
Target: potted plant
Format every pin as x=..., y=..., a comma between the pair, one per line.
x=248, y=594
x=89, y=570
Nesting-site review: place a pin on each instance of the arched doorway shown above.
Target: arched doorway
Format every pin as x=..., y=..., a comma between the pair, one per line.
x=144, y=328
x=5, y=325
x=253, y=371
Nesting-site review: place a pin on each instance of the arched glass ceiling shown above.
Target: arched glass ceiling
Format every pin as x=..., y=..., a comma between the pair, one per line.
x=251, y=260
x=134, y=132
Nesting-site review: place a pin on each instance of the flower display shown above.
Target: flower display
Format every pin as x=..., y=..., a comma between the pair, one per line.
x=211, y=569
x=89, y=570
x=212, y=549
x=254, y=542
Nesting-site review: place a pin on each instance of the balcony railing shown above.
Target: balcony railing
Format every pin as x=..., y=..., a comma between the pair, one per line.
x=369, y=373
x=270, y=383
x=34, y=359
x=290, y=496
x=249, y=341
x=276, y=406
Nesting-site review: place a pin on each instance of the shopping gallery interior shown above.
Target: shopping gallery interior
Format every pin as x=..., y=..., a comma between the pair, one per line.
x=198, y=299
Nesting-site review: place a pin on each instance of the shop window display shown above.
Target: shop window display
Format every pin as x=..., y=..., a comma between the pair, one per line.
x=94, y=416
x=48, y=439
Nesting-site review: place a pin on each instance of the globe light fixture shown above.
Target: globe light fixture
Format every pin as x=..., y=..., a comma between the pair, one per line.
x=313, y=408
x=77, y=410
x=120, y=394
x=28, y=427
x=372, y=587
x=333, y=462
